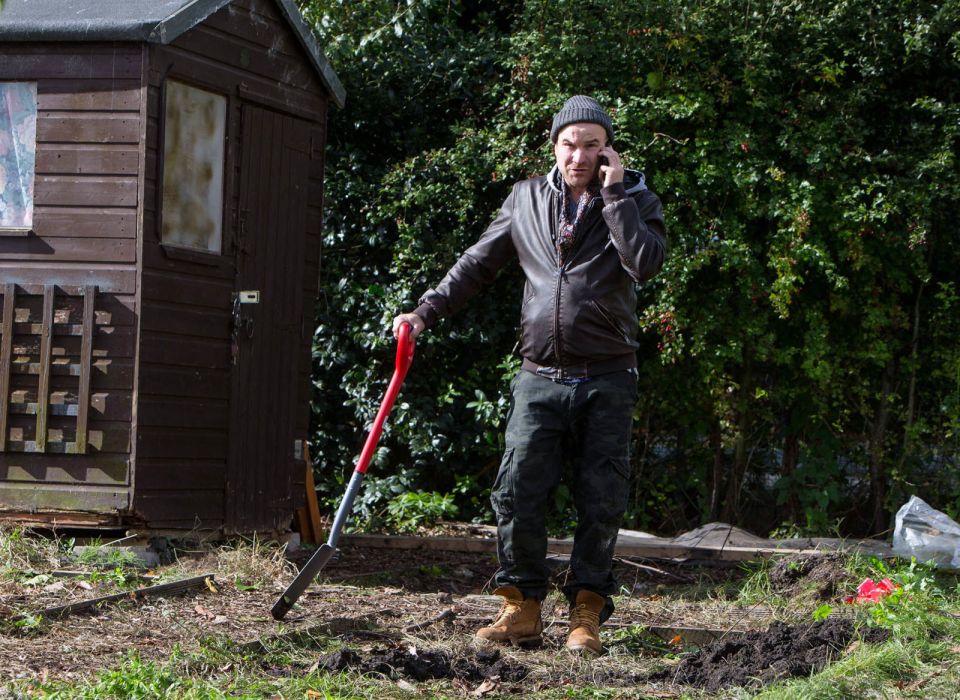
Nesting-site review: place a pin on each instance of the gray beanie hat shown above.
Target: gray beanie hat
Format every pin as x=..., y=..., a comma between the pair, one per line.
x=581, y=108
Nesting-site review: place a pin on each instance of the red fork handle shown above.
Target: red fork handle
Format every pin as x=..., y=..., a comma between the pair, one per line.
x=405, y=346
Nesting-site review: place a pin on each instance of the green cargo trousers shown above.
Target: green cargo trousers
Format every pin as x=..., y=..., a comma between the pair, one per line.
x=549, y=422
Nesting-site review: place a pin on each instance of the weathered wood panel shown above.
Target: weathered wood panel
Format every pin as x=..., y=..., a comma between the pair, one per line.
x=179, y=509
x=86, y=159
x=107, y=95
x=167, y=475
x=32, y=497
x=186, y=288
x=84, y=222
x=177, y=412
x=162, y=317
x=88, y=127
x=68, y=62
x=185, y=351
x=107, y=278
x=161, y=380
x=173, y=443
x=77, y=190
x=208, y=43
x=69, y=249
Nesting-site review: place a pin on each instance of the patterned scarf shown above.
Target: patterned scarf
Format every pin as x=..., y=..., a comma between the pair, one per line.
x=567, y=235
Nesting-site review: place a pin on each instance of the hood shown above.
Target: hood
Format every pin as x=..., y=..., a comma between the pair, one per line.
x=633, y=180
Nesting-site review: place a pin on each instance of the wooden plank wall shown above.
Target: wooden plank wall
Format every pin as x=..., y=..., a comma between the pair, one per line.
x=246, y=49
x=85, y=235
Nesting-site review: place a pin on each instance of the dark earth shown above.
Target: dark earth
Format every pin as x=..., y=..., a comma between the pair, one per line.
x=758, y=658
x=426, y=664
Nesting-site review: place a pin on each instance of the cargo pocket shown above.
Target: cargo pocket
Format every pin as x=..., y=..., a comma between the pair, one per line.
x=501, y=496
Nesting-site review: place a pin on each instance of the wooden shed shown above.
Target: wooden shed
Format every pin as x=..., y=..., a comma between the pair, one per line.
x=161, y=181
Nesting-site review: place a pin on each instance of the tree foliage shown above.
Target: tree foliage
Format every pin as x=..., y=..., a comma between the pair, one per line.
x=800, y=361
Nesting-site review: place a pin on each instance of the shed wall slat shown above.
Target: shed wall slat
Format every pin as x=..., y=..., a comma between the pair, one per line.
x=79, y=190
x=84, y=222
x=34, y=498
x=209, y=43
x=69, y=62
x=181, y=509
x=183, y=287
x=177, y=412
x=69, y=249
x=185, y=320
x=160, y=380
x=165, y=475
x=86, y=159
x=184, y=351
x=88, y=127
x=108, y=95
x=107, y=278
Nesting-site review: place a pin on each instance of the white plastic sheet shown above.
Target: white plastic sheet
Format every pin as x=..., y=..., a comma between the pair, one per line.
x=927, y=534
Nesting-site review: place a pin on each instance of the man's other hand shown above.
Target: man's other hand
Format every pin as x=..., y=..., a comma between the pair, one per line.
x=416, y=324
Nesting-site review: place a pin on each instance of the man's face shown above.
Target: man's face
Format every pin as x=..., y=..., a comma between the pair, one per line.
x=577, y=149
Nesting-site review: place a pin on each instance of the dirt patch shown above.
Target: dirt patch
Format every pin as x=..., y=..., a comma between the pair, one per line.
x=425, y=664
x=822, y=577
x=758, y=658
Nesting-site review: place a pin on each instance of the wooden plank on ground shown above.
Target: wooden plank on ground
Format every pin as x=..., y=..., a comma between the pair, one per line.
x=162, y=589
x=655, y=550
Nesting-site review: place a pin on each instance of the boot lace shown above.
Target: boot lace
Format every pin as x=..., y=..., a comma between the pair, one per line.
x=508, y=612
x=582, y=616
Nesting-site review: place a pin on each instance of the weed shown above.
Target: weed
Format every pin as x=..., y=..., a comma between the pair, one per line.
x=19, y=551
x=409, y=511
x=252, y=562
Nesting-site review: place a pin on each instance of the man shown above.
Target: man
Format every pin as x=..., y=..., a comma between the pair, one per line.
x=585, y=235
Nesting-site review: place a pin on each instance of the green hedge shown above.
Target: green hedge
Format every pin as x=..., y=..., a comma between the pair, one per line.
x=800, y=364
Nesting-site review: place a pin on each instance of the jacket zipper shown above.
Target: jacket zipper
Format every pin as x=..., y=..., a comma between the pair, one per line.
x=557, y=350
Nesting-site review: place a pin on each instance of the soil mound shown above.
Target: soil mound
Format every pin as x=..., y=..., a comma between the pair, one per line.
x=758, y=658
x=822, y=577
x=425, y=664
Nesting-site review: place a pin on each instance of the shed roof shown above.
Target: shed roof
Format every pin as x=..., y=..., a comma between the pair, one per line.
x=153, y=21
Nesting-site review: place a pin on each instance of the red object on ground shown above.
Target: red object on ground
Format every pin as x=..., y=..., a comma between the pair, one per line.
x=871, y=592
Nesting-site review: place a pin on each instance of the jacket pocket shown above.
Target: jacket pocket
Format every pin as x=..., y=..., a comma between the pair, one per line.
x=609, y=319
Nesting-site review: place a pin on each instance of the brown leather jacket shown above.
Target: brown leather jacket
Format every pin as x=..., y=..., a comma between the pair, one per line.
x=579, y=319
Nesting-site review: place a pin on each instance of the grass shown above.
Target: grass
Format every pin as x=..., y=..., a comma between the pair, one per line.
x=921, y=658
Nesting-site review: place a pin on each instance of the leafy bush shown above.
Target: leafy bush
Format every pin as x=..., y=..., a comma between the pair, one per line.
x=799, y=358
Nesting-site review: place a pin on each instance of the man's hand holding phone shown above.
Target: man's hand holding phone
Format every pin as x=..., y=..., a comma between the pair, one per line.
x=610, y=166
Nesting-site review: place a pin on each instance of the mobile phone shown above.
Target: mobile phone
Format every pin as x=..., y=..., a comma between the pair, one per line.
x=602, y=160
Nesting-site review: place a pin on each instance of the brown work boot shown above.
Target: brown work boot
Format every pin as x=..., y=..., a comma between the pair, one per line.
x=585, y=623
x=518, y=621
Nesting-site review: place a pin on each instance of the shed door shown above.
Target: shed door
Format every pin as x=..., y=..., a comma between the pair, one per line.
x=267, y=328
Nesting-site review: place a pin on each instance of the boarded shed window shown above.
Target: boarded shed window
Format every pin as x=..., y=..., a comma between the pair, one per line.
x=193, y=158
x=18, y=153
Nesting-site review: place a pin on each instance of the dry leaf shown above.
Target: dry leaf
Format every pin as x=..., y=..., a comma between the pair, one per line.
x=54, y=587
x=220, y=620
x=404, y=685
x=200, y=610
x=209, y=582
x=488, y=686
x=314, y=694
